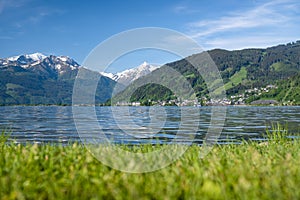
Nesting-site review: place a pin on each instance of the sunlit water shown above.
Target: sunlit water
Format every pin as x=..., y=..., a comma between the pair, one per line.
x=55, y=124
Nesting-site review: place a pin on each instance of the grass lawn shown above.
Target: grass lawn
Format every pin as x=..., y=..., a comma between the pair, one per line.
x=247, y=171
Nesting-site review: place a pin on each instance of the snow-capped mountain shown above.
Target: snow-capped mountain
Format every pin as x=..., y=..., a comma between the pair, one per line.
x=31, y=57
x=55, y=66
x=41, y=64
x=128, y=76
x=34, y=79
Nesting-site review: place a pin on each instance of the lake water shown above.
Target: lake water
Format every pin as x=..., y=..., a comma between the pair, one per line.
x=55, y=124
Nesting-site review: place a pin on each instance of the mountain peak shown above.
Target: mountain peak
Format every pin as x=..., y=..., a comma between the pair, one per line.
x=127, y=76
x=145, y=63
x=147, y=66
x=33, y=57
x=36, y=56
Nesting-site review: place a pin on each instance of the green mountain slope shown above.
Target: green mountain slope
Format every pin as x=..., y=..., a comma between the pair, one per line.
x=287, y=92
x=240, y=70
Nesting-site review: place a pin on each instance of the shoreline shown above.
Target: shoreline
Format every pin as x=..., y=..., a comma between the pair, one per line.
x=70, y=105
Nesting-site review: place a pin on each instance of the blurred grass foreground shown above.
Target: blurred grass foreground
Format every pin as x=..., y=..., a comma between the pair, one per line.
x=251, y=170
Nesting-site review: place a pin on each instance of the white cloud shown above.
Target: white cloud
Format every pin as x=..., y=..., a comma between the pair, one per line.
x=234, y=43
x=263, y=15
x=183, y=9
x=257, y=23
x=4, y=4
x=179, y=9
x=36, y=17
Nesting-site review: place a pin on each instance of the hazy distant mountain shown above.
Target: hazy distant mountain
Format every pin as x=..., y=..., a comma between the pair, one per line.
x=39, y=79
x=128, y=76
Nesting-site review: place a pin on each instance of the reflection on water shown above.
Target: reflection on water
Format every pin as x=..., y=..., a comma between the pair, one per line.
x=134, y=125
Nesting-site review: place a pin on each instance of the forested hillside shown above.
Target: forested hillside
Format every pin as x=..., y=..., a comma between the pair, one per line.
x=240, y=70
x=287, y=91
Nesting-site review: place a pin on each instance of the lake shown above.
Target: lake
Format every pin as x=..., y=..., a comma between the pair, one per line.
x=137, y=125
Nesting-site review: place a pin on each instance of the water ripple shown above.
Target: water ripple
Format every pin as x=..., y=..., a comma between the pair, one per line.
x=54, y=124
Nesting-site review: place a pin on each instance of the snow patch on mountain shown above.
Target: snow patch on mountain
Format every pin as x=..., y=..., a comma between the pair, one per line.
x=33, y=57
x=36, y=56
x=42, y=63
x=63, y=58
x=14, y=58
x=109, y=75
x=128, y=76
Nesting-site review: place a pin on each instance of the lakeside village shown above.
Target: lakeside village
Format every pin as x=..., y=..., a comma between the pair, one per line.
x=239, y=99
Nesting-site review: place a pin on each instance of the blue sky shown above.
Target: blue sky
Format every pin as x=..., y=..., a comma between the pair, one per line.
x=74, y=28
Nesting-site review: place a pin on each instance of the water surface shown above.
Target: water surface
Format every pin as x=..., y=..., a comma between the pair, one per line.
x=55, y=124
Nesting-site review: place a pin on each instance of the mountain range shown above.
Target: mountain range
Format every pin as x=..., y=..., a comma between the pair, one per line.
x=34, y=79
x=38, y=79
x=240, y=70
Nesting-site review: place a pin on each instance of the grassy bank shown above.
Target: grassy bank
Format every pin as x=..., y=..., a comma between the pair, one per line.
x=248, y=171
